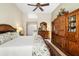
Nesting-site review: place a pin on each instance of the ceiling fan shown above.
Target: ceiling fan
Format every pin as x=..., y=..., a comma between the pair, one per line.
x=38, y=5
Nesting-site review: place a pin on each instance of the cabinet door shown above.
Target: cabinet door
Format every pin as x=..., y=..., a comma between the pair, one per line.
x=71, y=27
x=71, y=37
x=72, y=30
x=73, y=48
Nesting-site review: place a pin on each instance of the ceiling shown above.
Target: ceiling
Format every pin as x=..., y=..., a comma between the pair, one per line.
x=29, y=9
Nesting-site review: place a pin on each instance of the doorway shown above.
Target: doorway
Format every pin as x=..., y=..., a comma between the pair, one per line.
x=31, y=28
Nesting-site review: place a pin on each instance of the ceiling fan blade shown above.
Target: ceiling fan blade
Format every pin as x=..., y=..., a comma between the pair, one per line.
x=41, y=9
x=46, y=4
x=35, y=9
x=31, y=5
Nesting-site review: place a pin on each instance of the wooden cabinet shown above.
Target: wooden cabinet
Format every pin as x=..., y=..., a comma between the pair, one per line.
x=58, y=31
x=65, y=32
x=44, y=34
x=72, y=36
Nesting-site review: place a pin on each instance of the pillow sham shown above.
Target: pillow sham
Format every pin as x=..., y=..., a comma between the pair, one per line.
x=8, y=36
x=13, y=35
x=4, y=37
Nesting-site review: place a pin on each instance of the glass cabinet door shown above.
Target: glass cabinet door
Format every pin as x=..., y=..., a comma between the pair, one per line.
x=72, y=23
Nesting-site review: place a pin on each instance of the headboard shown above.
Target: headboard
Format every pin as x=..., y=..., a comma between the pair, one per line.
x=6, y=28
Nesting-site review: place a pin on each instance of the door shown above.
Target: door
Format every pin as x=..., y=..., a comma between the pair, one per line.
x=31, y=28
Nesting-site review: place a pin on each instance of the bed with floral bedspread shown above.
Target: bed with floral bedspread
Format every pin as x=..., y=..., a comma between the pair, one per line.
x=23, y=45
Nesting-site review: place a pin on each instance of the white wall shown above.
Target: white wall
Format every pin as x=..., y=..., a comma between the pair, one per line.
x=10, y=14
x=68, y=6
x=25, y=18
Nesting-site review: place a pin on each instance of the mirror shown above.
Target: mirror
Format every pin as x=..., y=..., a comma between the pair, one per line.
x=43, y=26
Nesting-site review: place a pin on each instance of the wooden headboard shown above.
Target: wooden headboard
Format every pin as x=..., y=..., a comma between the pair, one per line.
x=6, y=28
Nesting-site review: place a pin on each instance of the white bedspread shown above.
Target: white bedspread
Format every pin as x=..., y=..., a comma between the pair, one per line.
x=19, y=46
x=24, y=46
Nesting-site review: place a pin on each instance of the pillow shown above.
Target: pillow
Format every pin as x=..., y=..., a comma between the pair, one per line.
x=13, y=35
x=1, y=39
x=8, y=36
x=4, y=38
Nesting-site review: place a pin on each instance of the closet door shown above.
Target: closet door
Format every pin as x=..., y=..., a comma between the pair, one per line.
x=31, y=28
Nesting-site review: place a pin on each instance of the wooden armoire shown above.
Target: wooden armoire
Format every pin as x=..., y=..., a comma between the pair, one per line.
x=65, y=32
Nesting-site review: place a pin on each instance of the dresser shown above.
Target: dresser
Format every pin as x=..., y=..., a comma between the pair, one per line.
x=65, y=32
x=44, y=34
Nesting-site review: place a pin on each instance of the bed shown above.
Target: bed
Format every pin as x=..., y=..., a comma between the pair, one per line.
x=11, y=44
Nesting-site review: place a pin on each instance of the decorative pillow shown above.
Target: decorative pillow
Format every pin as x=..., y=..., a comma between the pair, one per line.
x=4, y=37
x=8, y=36
x=1, y=39
x=14, y=35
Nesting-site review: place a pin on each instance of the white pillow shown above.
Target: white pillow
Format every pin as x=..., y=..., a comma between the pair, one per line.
x=4, y=38
x=14, y=35
x=1, y=39
x=8, y=36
